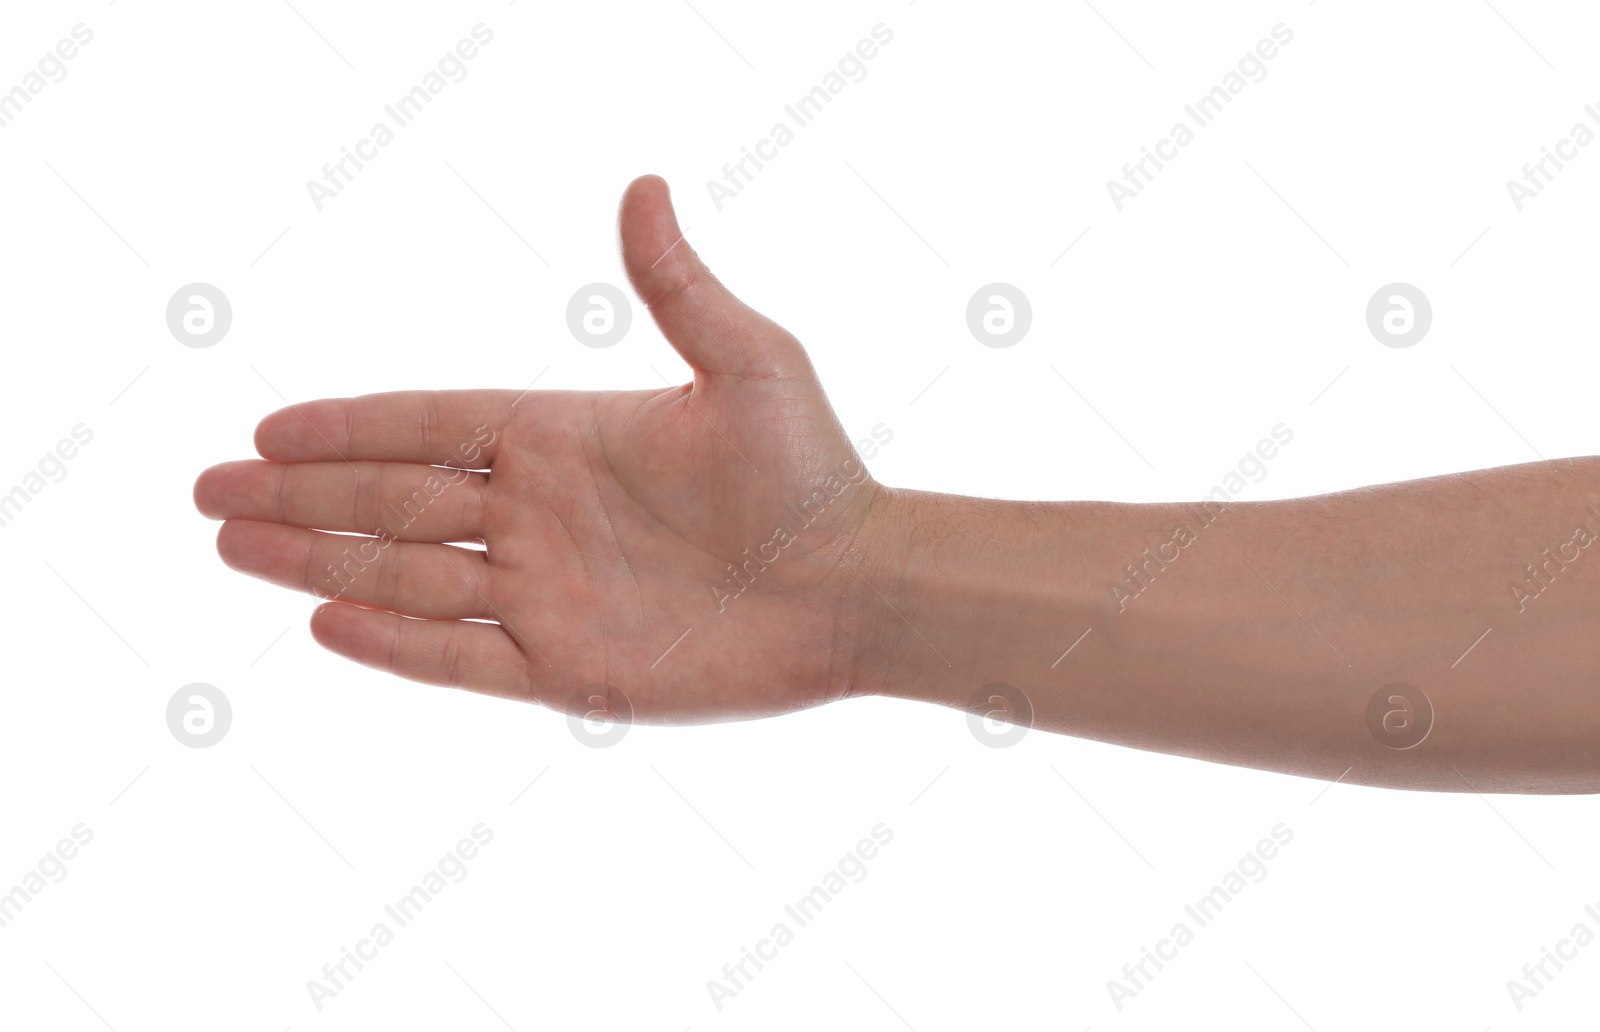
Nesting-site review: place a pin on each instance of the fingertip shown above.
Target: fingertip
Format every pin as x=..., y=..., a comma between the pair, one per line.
x=323, y=620
x=646, y=224
x=301, y=431
x=341, y=627
x=646, y=189
x=218, y=488
x=228, y=543
x=269, y=434
x=355, y=633
x=204, y=493
x=253, y=547
x=335, y=627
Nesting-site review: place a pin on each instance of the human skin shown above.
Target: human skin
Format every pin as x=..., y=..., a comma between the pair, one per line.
x=610, y=523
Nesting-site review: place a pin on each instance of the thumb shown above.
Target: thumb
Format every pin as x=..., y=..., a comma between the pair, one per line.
x=712, y=330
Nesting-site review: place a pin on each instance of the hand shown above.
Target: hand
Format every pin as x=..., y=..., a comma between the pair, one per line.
x=699, y=548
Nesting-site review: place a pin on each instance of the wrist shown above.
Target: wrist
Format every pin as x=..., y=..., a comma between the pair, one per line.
x=957, y=594
x=935, y=579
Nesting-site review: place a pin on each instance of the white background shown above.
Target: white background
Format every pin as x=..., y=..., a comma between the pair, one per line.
x=1224, y=299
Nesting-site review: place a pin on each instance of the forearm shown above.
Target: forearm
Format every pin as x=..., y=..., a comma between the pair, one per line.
x=1257, y=634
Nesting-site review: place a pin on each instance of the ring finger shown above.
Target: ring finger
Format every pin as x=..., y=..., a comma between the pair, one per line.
x=410, y=578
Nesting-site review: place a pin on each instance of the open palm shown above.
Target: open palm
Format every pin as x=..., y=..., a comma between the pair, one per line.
x=676, y=555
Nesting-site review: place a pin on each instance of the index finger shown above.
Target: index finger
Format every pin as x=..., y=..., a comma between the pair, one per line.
x=441, y=428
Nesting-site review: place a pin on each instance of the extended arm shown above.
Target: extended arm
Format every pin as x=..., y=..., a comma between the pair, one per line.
x=715, y=550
